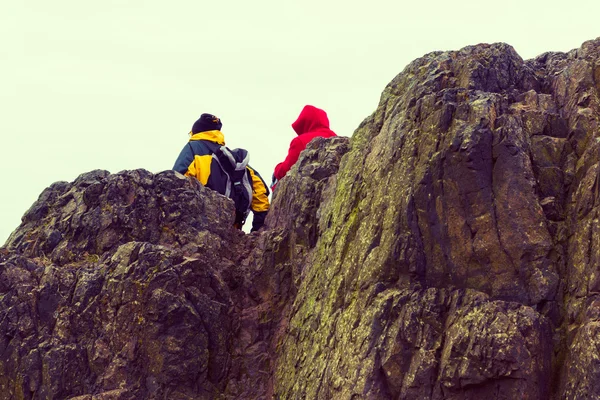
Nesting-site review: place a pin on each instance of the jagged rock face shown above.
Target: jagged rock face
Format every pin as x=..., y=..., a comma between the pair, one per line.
x=294, y=216
x=146, y=318
x=136, y=285
x=450, y=250
x=104, y=290
x=474, y=179
x=98, y=212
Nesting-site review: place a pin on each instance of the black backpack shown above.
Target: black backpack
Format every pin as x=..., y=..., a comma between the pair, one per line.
x=238, y=187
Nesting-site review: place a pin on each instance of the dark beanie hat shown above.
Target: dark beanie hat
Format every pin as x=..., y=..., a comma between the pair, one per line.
x=207, y=122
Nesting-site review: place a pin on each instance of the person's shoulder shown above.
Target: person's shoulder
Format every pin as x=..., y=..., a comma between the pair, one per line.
x=203, y=147
x=303, y=139
x=297, y=141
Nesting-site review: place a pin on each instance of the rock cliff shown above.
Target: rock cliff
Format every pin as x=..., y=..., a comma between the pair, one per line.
x=449, y=250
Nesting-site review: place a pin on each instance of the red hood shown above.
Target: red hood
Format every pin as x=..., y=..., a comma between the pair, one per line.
x=311, y=119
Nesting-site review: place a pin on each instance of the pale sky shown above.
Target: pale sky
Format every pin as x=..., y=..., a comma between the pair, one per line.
x=117, y=85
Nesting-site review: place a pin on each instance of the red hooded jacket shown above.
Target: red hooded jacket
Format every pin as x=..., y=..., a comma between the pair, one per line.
x=311, y=123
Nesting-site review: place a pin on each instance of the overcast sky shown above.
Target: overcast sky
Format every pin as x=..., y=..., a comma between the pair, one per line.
x=118, y=84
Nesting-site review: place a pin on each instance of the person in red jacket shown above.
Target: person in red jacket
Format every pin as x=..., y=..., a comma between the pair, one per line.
x=311, y=123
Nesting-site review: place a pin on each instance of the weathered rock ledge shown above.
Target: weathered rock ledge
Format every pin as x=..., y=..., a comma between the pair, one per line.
x=449, y=250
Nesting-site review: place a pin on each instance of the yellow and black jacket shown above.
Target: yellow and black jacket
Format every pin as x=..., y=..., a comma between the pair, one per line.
x=196, y=159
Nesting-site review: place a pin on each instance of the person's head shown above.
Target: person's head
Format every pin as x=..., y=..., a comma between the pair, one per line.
x=207, y=122
x=311, y=118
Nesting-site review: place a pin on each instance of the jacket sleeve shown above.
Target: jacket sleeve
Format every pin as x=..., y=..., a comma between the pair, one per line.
x=186, y=157
x=260, y=200
x=296, y=148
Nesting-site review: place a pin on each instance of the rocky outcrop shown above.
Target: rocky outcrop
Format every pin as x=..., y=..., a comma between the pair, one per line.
x=475, y=177
x=136, y=285
x=113, y=286
x=449, y=250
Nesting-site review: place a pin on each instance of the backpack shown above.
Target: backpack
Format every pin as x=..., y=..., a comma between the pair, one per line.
x=238, y=186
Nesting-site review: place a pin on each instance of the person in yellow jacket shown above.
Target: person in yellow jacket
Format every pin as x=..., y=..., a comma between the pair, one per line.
x=226, y=171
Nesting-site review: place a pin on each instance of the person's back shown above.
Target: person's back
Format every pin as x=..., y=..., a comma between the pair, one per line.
x=199, y=159
x=311, y=123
